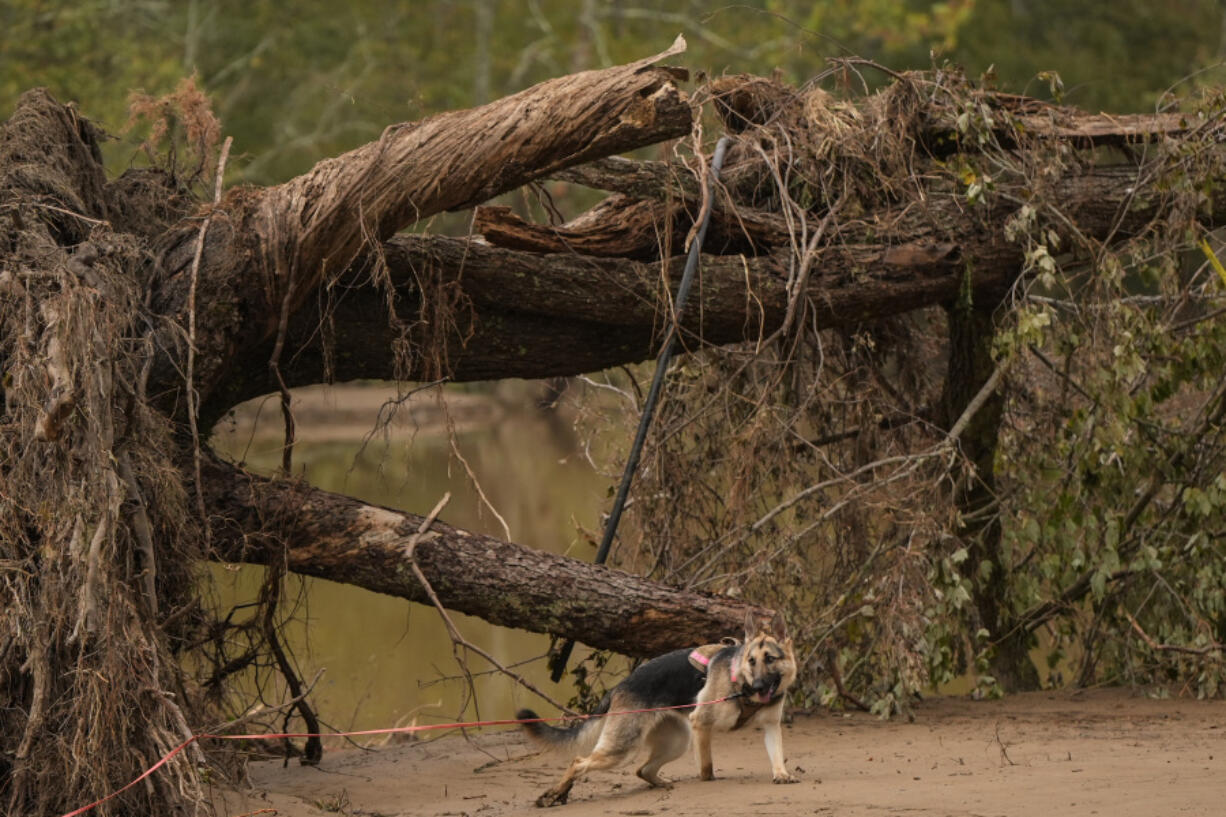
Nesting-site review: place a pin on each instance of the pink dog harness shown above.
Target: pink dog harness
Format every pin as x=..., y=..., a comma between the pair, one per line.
x=699, y=658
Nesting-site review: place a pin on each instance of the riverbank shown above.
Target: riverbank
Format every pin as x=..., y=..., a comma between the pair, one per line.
x=1105, y=752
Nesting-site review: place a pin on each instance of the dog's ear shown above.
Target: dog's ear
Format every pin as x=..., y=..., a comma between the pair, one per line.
x=751, y=626
x=779, y=629
x=729, y=641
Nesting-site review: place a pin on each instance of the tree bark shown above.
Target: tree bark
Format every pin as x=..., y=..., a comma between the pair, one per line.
x=971, y=330
x=317, y=533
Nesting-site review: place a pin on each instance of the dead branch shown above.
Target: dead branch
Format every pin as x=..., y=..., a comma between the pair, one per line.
x=642, y=229
x=836, y=675
x=345, y=540
x=1154, y=645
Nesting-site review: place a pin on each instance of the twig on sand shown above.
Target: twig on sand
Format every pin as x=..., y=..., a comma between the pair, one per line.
x=1004, y=751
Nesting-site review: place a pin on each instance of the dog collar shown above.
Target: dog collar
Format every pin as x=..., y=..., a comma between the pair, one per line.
x=700, y=658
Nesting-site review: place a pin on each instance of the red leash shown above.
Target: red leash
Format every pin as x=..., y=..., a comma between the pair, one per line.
x=387, y=731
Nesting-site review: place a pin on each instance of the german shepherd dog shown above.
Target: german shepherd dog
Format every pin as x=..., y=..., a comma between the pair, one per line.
x=755, y=675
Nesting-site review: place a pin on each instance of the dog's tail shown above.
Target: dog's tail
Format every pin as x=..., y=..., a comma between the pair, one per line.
x=577, y=737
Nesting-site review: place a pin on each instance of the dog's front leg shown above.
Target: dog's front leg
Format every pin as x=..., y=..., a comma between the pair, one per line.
x=774, y=750
x=702, y=742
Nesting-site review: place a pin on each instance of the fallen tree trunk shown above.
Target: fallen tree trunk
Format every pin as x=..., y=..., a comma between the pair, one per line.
x=317, y=533
x=537, y=315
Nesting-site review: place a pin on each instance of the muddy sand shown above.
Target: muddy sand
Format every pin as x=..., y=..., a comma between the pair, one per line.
x=1107, y=752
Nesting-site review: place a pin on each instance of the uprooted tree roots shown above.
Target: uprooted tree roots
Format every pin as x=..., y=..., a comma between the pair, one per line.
x=98, y=543
x=101, y=539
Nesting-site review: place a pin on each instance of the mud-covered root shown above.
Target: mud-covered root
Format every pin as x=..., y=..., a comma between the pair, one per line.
x=95, y=538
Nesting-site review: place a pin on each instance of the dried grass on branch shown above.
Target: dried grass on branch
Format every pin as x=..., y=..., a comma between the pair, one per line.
x=772, y=473
x=813, y=470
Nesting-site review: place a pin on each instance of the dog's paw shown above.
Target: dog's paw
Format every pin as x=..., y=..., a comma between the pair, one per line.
x=654, y=780
x=552, y=798
x=785, y=778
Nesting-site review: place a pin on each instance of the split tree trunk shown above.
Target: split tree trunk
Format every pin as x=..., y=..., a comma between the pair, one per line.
x=296, y=237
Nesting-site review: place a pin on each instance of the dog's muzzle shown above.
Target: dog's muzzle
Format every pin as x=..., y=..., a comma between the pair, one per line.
x=762, y=690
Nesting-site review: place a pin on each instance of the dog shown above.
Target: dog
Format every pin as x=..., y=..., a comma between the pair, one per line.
x=753, y=675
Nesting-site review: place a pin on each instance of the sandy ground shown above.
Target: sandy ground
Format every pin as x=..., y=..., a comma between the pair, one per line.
x=1108, y=752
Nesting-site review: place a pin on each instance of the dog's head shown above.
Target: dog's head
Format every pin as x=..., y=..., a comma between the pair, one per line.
x=766, y=664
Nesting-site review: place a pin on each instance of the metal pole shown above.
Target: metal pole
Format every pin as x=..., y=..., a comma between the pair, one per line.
x=653, y=395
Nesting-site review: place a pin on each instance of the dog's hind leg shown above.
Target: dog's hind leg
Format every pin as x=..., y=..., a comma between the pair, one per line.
x=597, y=760
x=667, y=741
x=617, y=741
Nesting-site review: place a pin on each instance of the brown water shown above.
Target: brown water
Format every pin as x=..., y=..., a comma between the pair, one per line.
x=386, y=660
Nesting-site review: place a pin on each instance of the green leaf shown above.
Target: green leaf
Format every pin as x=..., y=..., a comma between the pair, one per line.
x=1098, y=584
